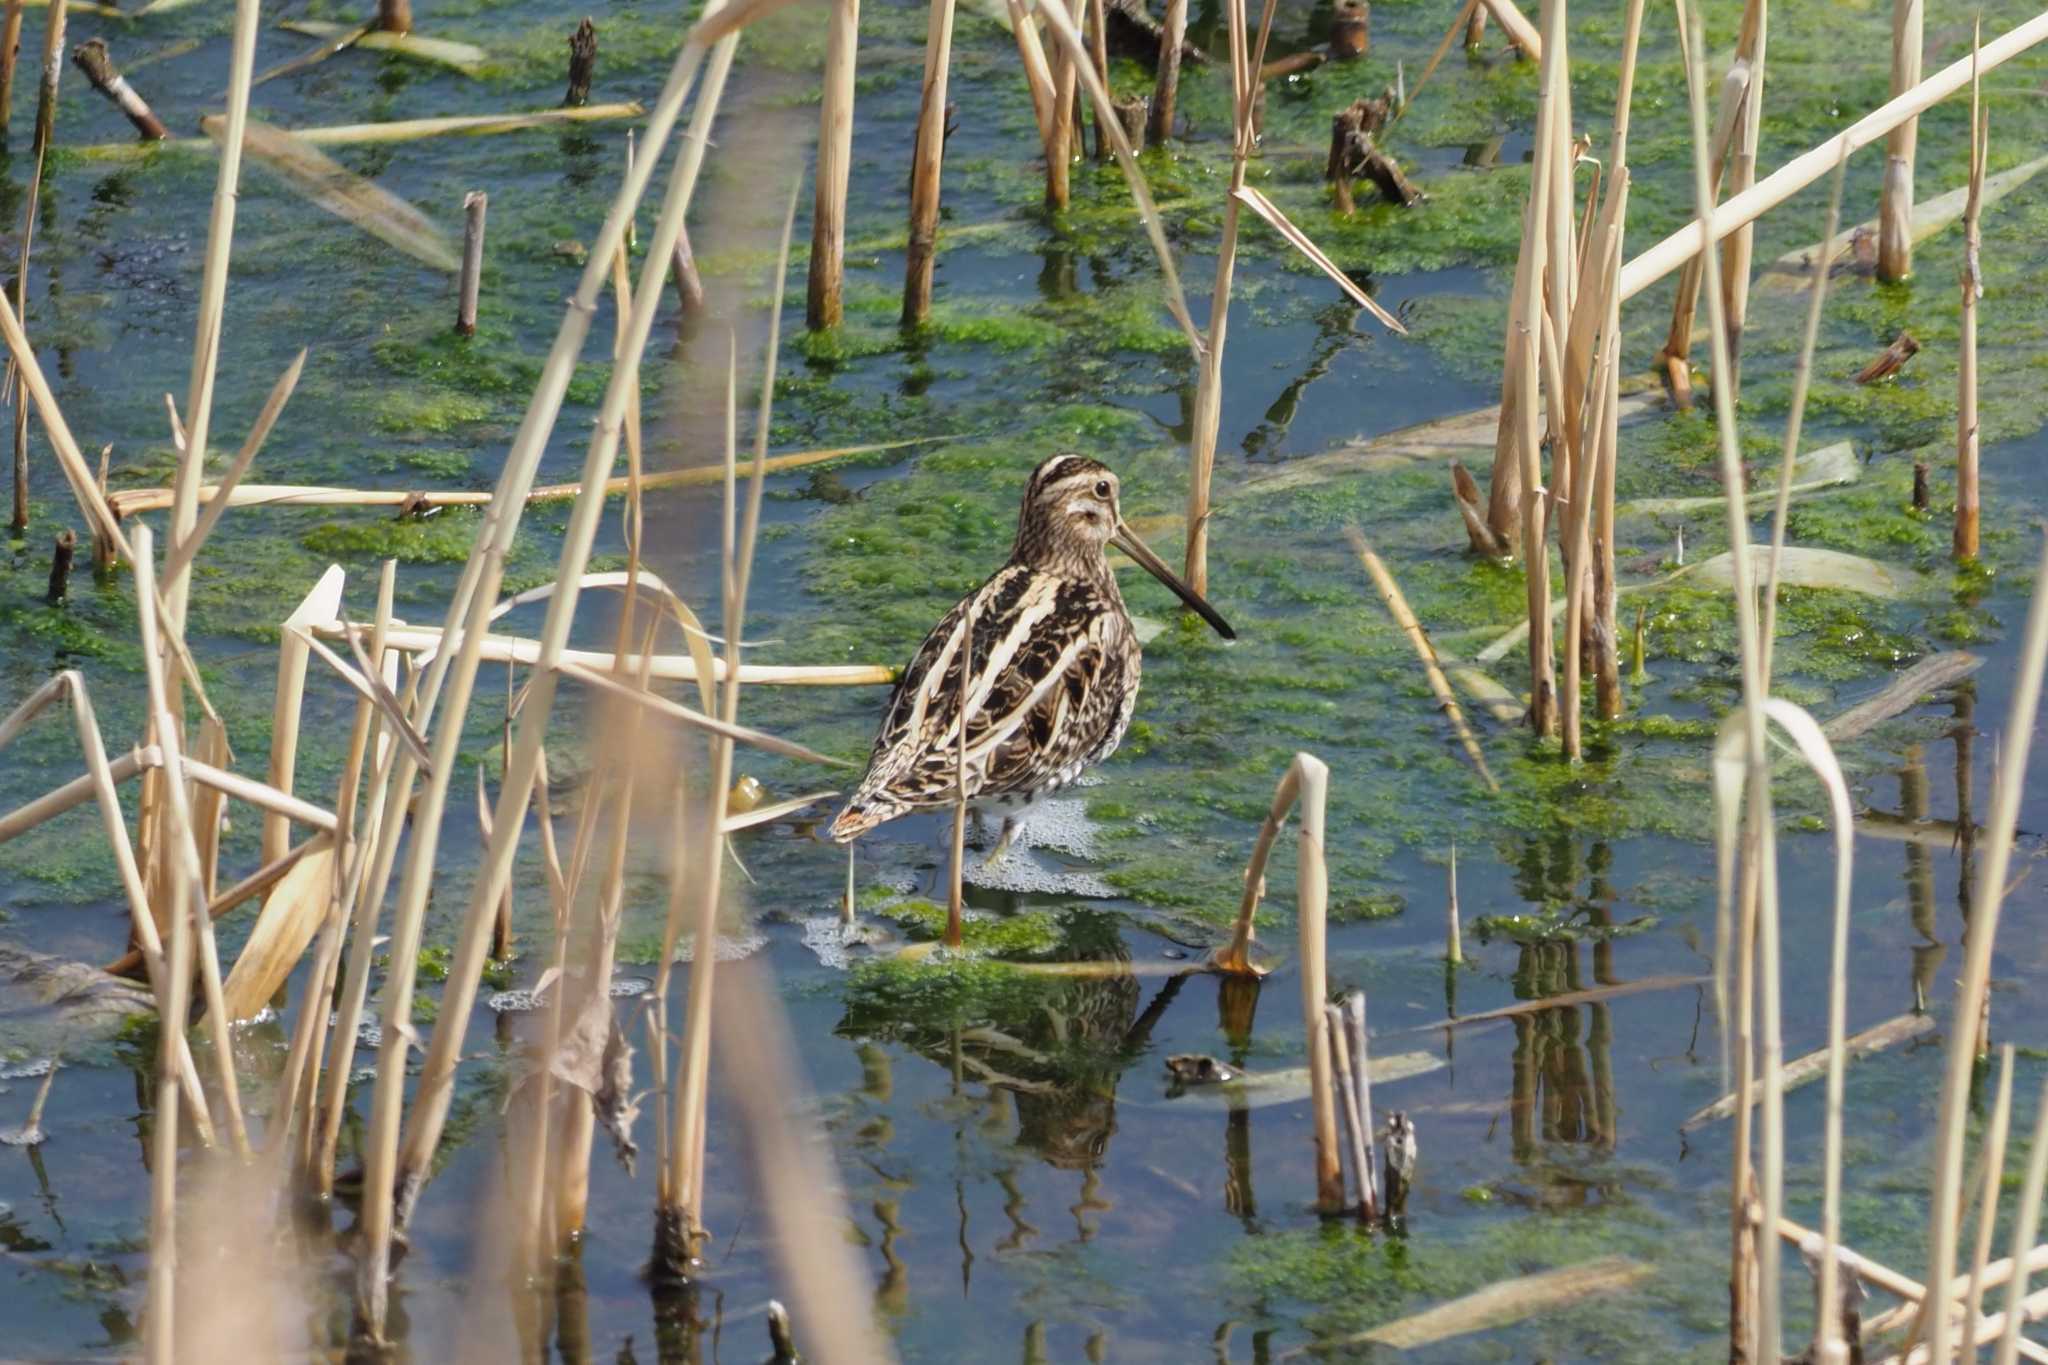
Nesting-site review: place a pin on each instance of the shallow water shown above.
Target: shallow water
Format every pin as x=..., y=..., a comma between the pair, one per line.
x=1074, y=1211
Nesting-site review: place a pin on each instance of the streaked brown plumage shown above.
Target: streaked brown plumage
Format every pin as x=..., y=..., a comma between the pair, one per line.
x=1052, y=666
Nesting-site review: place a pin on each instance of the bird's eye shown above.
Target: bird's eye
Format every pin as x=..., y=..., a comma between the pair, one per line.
x=1102, y=489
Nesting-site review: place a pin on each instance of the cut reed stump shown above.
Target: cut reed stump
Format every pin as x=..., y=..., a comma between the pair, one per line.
x=394, y=16
x=1895, y=203
x=835, y=152
x=1132, y=114
x=1475, y=27
x=1171, y=39
x=1351, y=30
x=582, y=64
x=473, y=205
x=927, y=157
x=92, y=58
x=1353, y=154
x=60, y=566
x=10, y=50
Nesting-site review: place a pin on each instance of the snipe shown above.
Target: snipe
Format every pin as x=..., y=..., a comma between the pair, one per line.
x=1050, y=658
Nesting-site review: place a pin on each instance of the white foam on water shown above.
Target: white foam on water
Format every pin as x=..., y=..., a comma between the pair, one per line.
x=731, y=947
x=838, y=944
x=22, y=1071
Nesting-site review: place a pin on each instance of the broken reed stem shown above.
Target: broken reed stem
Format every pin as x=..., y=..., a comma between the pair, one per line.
x=2026, y=1226
x=1397, y=607
x=394, y=16
x=46, y=117
x=927, y=156
x=92, y=58
x=1098, y=52
x=582, y=64
x=1737, y=249
x=474, y=206
x=468, y=611
x=835, y=157
x=1967, y=493
x=1312, y=890
x=1454, y=941
x=1760, y=843
x=60, y=566
x=1677, y=353
x=1347, y=1107
x=1986, y=901
x=1895, y=201
x=1352, y=1017
x=1173, y=37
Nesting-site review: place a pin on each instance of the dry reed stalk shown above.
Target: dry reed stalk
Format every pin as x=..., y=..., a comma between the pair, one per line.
x=1312, y=889
x=1353, y=1118
x=46, y=117
x=2026, y=1225
x=835, y=161
x=1738, y=249
x=1036, y=68
x=1895, y=203
x=582, y=64
x=1454, y=947
x=1991, y=1157
x=1538, y=220
x=1606, y=594
x=474, y=206
x=92, y=58
x=293, y=650
x=309, y=1039
x=1069, y=37
x=1235, y=959
x=428, y=640
x=717, y=30
x=1063, y=129
x=1353, y=1019
x=1208, y=414
x=1676, y=356
x=1987, y=899
x=346, y=195
x=1760, y=867
x=693, y=1093
x=1517, y=27
x=160, y=1340
x=1397, y=607
x=100, y=782
x=1802, y=379
x=403, y=130
x=129, y=502
x=1098, y=52
x=1462, y=23
x=805, y=1207
x=328, y=47
x=467, y=58
x=1172, y=37
x=184, y=876
x=1967, y=492
x=1660, y=260
x=927, y=156
x=10, y=52
x=1500, y=1305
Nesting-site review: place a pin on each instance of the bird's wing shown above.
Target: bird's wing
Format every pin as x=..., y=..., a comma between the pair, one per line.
x=1039, y=652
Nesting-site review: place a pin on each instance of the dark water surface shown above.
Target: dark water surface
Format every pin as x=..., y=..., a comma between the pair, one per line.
x=1069, y=1208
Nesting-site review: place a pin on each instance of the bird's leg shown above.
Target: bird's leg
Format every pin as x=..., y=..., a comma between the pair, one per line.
x=995, y=854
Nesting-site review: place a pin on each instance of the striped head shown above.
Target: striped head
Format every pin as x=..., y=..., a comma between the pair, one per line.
x=1071, y=516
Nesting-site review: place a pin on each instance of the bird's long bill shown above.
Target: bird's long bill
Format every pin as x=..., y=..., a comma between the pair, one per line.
x=1127, y=540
